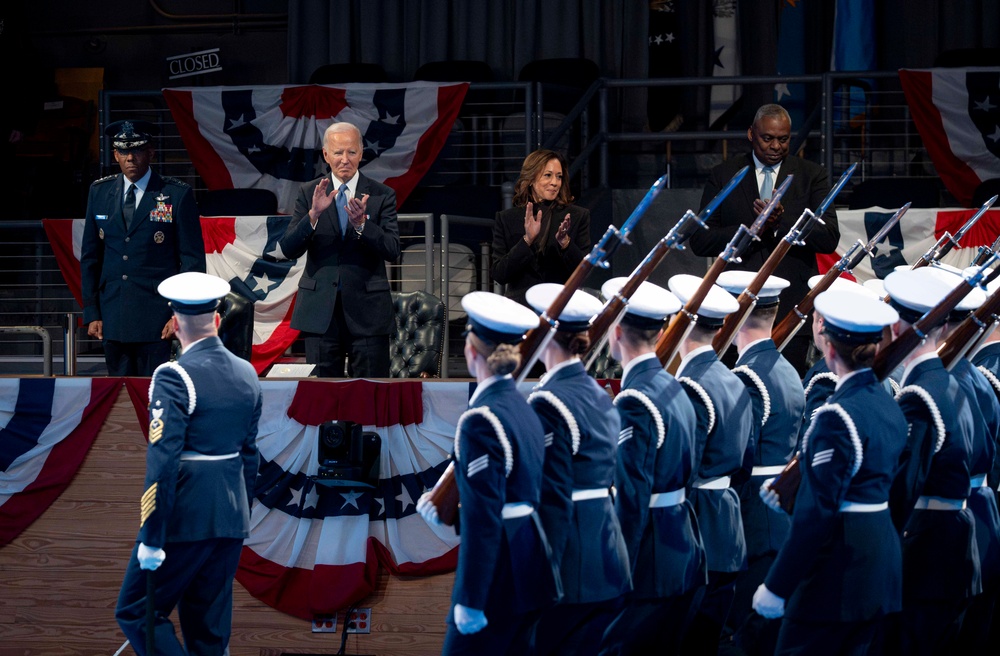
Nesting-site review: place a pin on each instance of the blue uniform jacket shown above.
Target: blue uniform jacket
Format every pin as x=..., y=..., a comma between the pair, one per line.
x=987, y=360
x=725, y=419
x=844, y=566
x=120, y=269
x=775, y=385
x=207, y=403
x=503, y=565
x=656, y=455
x=982, y=499
x=581, y=436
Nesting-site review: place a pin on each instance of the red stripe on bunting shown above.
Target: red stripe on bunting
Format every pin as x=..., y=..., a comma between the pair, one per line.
x=958, y=177
x=60, y=235
x=315, y=101
x=984, y=233
x=61, y=465
x=207, y=161
x=361, y=401
x=305, y=593
x=218, y=232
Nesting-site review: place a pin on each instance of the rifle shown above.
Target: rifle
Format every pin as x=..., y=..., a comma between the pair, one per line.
x=795, y=237
x=677, y=329
x=613, y=309
x=889, y=357
x=947, y=242
x=793, y=321
x=786, y=484
x=970, y=332
x=986, y=251
x=538, y=338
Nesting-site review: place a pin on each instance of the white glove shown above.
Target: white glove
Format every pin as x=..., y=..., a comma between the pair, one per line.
x=767, y=604
x=769, y=496
x=150, y=558
x=428, y=510
x=469, y=620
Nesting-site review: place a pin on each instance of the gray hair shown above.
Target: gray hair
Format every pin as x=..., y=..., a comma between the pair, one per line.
x=771, y=110
x=336, y=128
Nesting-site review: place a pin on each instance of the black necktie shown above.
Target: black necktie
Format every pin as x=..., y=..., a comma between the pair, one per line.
x=128, y=209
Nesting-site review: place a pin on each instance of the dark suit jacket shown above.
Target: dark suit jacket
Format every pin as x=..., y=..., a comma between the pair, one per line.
x=810, y=186
x=120, y=269
x=352, y=267
x=188, y=499
x=518, y=266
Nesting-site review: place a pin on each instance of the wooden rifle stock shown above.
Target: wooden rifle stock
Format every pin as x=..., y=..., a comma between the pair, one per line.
x=786, y=484
x=444, y=496
x=748, y=298
x=792, y=321
x=960, y=340
x=671, y=338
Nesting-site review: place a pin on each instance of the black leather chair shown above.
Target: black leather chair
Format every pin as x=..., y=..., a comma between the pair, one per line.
x=346, y=73
x=237, y=202
x=416, y=344
x=236, y=325
x=605, y=366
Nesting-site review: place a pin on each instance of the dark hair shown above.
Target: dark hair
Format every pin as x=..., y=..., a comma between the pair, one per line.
x=855, y=356
x=532, y=169
x=504, y=359
x=638, y=336
x=761, y=317
x=575, y=343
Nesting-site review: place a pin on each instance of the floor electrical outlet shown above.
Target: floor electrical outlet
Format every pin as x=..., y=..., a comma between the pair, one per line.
x=360, y=621
x=324, y=624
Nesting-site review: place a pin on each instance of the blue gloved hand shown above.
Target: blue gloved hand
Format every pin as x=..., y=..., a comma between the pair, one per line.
x=428, y=510
x=469, y=620
x=769, y=496
x=150, y=558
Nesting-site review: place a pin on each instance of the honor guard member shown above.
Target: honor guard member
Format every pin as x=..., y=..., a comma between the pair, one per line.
x=504, y=574
x=929, y=498
x=974, y=635
x=776, y=391
x=201, y=466
x=581, y=437
x=140, y=229
x=725, y=422
x=840, y=568
x=819, y=382
x=655, y=464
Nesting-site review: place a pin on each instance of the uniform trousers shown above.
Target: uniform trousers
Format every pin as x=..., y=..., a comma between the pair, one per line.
x=135, y=358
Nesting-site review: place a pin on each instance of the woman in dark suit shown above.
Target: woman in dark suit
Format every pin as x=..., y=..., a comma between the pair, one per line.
x=544, y=236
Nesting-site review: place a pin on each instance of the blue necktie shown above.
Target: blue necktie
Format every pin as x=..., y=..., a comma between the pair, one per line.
x=767, y=188
x=341, y=204
x=128, y=207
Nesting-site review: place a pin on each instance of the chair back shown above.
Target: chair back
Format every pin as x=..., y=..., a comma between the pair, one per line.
x=236, y=326
x=417, y=341
x=237, y=202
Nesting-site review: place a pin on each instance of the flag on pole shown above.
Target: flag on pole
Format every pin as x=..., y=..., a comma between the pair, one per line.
x=270, y=137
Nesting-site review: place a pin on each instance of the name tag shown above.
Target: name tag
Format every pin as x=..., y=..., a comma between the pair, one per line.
x=101, y=217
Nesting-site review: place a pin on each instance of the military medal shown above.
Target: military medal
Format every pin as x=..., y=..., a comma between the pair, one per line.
x=159, y=237
x=163, y=212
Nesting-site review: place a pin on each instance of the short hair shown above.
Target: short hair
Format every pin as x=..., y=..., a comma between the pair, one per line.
x=761, y=317
x=771, y=110
x=197, y=325
x=636, y=337
x=575, y=343
x=337, y=128
x=531, y=169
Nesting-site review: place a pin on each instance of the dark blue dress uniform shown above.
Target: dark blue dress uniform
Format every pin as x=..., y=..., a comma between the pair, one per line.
x=841, y=563
x=655, y=464
x=982, y=502
x=120, y=268
x=581, y=434
x=503, y=563
x=987, y=360
x=201, y=467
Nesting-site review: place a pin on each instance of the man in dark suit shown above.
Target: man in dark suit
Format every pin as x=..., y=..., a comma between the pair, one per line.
x=201, y=467
x=140, y=228
x=769, y=137
x=346, y=223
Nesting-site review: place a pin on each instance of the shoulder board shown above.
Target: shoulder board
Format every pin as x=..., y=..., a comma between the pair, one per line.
x=661, y=431
x=747, y=374
x=498, y=429
x=926, y=397
x=105, y=179
x=852, y=432
x=174, y=181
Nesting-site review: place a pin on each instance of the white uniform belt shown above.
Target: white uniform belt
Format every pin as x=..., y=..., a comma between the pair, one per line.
x=515, y=510
x=667, y=499
x=587, y=495
x=717, y=483
x=978, y=481
x=939, y=503
x=767, y=470
x=194, y=455
x=855, y=507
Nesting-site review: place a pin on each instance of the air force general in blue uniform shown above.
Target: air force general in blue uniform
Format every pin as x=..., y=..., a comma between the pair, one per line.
x=201, y=466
